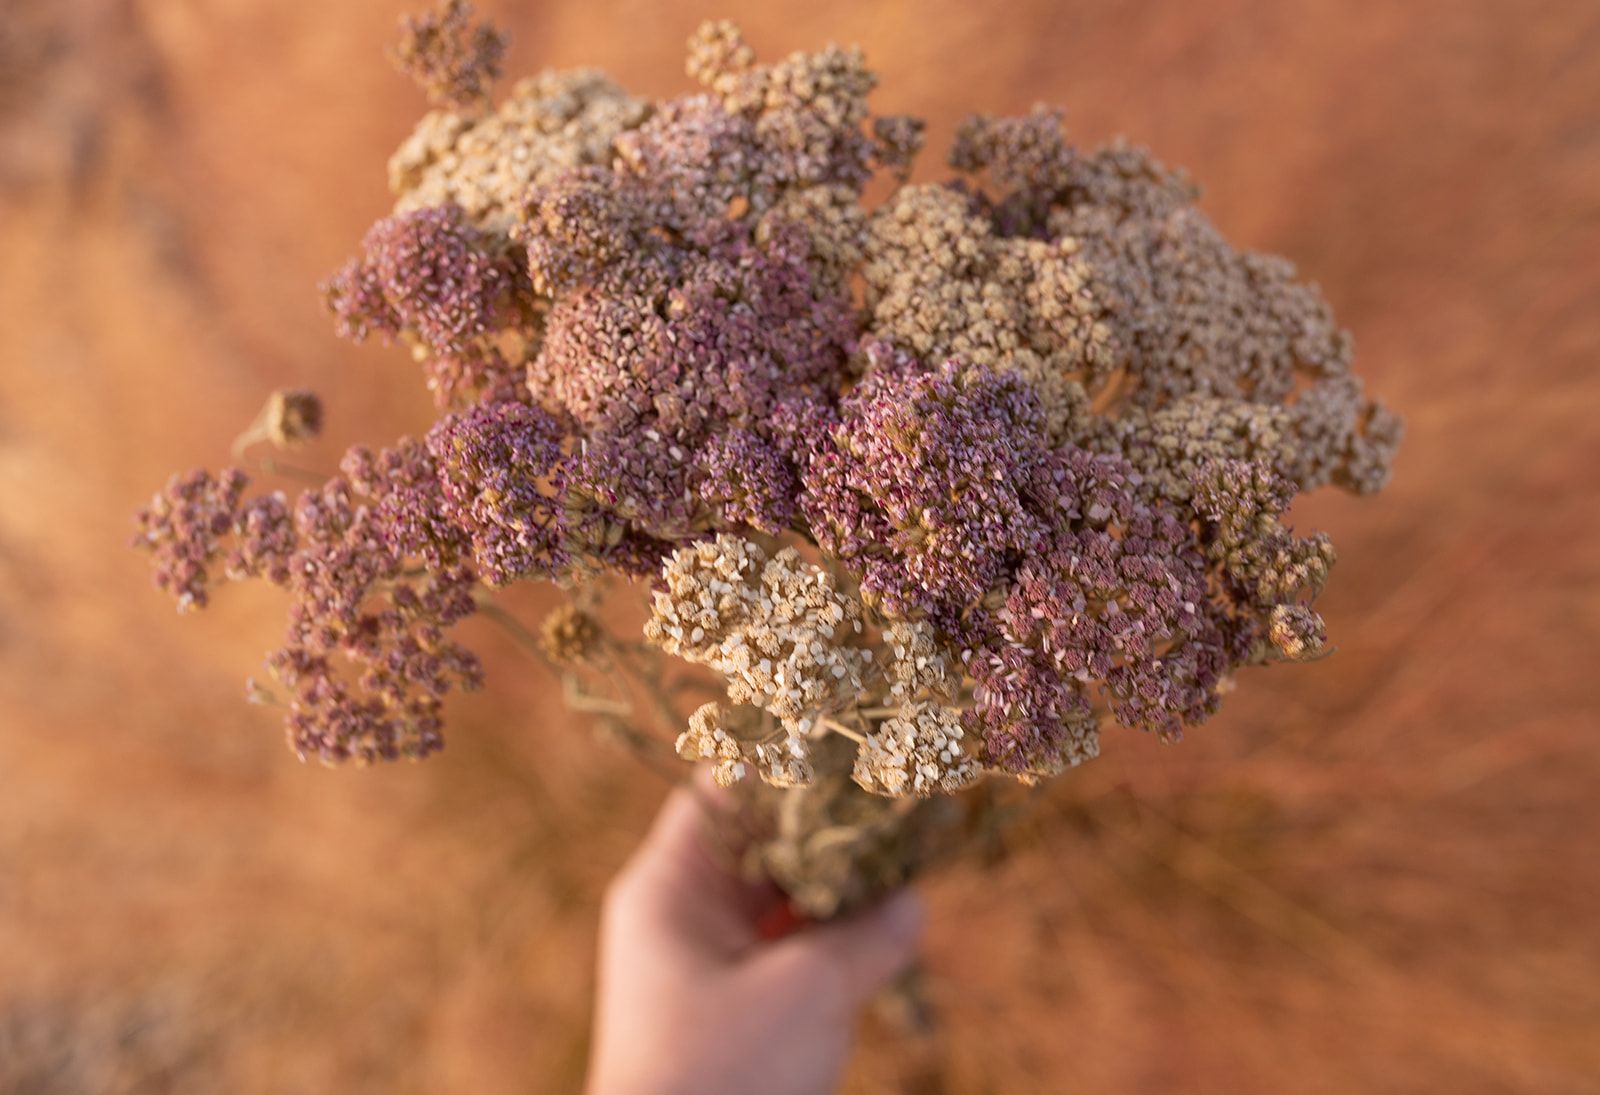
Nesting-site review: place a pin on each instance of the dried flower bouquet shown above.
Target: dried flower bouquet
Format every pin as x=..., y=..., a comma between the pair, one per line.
x=938, y=487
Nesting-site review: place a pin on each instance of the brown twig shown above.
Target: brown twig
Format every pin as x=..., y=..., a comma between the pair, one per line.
x=515, y=628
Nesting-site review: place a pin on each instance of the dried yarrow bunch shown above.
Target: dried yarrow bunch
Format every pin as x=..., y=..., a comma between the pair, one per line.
x=937, y=489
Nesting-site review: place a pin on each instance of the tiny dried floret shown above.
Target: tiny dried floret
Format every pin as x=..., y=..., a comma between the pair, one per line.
x=184, y=528
x=708, y=738
x=571, y=636
x=292, y=417
x=264, y=540
x=718, y=53
x=737, y=742
x=920, y=664
x=785, y=763
x=897, y=138
x=1297, y=632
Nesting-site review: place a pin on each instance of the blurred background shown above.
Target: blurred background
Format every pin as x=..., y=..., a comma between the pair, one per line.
x=1375, y=873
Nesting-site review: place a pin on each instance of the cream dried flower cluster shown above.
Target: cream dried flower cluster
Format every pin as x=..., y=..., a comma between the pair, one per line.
x=485, y=162
x=737, y=741
x=790, y=644
x=937, y=485
x=917, y=664
x=917, y=752
x=778, y=629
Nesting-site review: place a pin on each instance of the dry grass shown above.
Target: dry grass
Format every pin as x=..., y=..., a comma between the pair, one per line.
x=1375, y=873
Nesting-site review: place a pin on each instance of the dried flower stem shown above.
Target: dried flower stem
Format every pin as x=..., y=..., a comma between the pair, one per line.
x=649, y=750
x=579, y=700
x=269, y=465
x=840, y=728
x=649, y=684
x=525, y=639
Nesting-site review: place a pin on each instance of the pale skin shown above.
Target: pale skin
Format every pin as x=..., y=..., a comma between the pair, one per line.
x=692, y=999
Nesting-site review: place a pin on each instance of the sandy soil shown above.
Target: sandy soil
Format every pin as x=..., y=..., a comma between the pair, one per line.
x=1375, y=873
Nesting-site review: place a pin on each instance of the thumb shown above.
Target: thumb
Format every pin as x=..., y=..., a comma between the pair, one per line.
x=855, y=957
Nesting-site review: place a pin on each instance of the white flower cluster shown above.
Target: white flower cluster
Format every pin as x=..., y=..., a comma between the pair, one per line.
x=732, y=739
x=709, y=738
x=920, y=664
x=778, y=629
x=918, y=752
x=549, y=123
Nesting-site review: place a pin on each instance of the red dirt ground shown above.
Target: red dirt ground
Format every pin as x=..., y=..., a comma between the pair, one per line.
x=1374, y=873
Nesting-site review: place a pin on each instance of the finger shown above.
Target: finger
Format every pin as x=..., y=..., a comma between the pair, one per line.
x=682, y=881
x=851, y=959
x=696, y=834
x=679, y=830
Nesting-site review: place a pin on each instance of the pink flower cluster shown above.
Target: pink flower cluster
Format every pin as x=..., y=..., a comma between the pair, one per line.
x=439, y=281
x=1057, y=587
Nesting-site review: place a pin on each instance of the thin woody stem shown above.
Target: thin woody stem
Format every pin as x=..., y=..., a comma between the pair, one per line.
x=269, y=466
x=573, y=694
x=513, y=627
x=255, y=433
x=647, y=749
x=261, y=695
x=586, y=704
x=665, y=712
x=840, y=728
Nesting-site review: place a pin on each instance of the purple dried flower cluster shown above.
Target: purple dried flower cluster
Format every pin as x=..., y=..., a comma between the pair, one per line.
x=1264, y=568
x=680, y=340
x=926, y=486
x=433, y=278
x=1112, y=615
x=1035, y=429
x=380, y=562
x=494, y=464
x=185, y=527
x=454, y=60
x=1055, y=585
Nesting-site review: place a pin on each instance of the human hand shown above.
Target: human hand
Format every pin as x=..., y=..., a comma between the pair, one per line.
x=693, y=999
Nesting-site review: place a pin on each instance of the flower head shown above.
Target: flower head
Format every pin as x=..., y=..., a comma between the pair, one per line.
x=737, y=742
x=184, y=528
x=779, y=630
x=919, y=752
x=454, y=61
x=922, y=484
x=429, y=273
x=292, y=417
x=495, y=464
x=570, y=636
